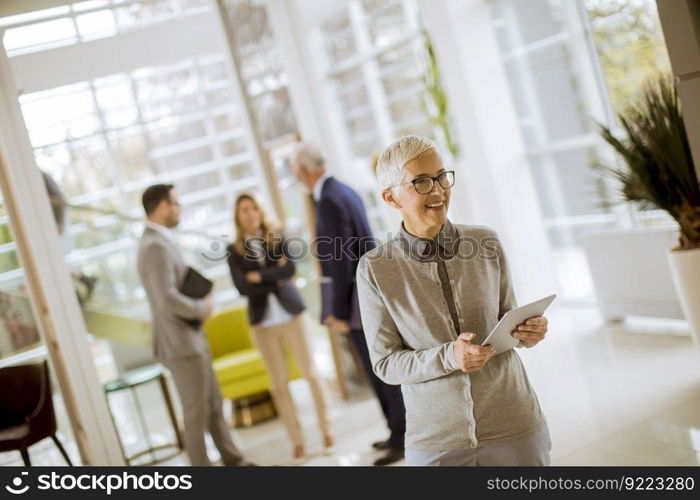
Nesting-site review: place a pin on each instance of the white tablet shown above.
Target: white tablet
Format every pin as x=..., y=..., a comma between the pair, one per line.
x=501, y=336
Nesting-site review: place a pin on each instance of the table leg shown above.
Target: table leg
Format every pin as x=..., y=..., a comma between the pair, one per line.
x=336, y=349
x=171, y=411
x=116, y=431
x=142, y=420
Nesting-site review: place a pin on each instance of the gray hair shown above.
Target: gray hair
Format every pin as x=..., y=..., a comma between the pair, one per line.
x=396, y=155
x=310, y=157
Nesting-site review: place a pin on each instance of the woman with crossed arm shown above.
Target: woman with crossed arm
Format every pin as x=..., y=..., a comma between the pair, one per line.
x=262, y=270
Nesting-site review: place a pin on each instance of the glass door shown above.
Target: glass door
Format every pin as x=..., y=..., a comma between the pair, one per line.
x=21, y=343
x=40, y=317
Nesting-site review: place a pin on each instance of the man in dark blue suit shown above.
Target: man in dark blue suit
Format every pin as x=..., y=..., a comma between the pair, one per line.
x=343, y=235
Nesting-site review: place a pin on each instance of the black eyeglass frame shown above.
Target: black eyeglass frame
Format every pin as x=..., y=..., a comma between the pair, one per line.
x=432, y=180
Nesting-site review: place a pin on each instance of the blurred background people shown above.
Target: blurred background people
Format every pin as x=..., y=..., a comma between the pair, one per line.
x=343, y=235
x=177, y=343
x=262, y=271
x=84, y=285
x=58, y=201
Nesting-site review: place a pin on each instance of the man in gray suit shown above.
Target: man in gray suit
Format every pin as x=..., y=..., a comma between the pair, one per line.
x=182, y=348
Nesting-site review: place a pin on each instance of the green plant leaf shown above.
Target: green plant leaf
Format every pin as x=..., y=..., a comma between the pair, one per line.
x=658, y=166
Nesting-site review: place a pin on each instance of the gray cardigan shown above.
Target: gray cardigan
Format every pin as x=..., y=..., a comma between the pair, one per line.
x=410, y=332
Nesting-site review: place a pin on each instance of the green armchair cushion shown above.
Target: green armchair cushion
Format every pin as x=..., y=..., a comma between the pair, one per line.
x=237, y=363
x=228, y=331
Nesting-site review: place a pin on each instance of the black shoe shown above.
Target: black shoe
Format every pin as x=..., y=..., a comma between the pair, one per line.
x=392, y=455
x=382, y=445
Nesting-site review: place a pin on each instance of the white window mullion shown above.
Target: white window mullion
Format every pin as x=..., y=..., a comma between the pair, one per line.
x=114, y=170
x=598, y=97
x=523, y=68
x=534, y=109
x=586, y=60
x=411, y=14
x=260, y=161
x=212, y=133
x=371, y=73
x=143, y=129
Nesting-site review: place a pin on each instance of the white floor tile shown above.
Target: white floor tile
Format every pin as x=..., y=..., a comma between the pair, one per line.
x=679, y=426
x=621, y=449
x=689, y=461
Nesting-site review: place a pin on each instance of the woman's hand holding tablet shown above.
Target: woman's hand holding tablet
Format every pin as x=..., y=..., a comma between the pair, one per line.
x=502, y=336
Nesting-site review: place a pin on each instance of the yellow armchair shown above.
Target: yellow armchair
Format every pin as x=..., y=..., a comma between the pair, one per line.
x=237, y=362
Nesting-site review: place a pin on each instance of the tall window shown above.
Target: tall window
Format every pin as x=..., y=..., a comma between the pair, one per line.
x=265, y=88
x=264, y=85
x=162, y=109
x=630, y=45
x=375, y=57
x=378, y=60
x=570, y=65
x=85, y=20
x=20, y=340
x=260, y=66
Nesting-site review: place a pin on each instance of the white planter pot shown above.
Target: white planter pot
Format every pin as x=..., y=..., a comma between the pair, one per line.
x=685, y=269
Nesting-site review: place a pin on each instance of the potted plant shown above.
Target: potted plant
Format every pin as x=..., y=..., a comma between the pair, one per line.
x=659, y=172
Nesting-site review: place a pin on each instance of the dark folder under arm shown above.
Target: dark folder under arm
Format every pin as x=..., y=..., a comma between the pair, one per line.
x=195, y=286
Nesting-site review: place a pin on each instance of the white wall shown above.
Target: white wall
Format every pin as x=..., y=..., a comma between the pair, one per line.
x=493, y=165
x=680, y=21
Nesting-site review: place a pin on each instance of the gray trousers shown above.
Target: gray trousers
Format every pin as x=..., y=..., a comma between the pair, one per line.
x=201, y=404
x=532, y=450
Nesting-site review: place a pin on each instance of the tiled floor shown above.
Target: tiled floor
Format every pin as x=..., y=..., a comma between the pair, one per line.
x=621, y=394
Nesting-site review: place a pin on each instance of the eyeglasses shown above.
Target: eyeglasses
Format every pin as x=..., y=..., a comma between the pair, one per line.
x=424, y=185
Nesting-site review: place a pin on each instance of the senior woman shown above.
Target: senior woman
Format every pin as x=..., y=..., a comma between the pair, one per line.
x=428, y=298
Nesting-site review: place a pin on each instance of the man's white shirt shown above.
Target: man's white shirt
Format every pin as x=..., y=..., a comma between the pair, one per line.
x=318, y=187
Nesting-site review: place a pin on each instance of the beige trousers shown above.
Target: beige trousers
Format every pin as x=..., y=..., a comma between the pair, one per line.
x=269, y=341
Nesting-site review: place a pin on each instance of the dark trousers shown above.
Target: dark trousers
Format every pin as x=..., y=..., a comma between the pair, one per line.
x=390, y=398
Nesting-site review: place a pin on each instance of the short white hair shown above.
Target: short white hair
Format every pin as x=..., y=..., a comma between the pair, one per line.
x=308, y=157
x=395, y=156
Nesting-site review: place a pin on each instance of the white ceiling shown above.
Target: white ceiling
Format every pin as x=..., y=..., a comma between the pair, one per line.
x=313, y=11
x=13, y=7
